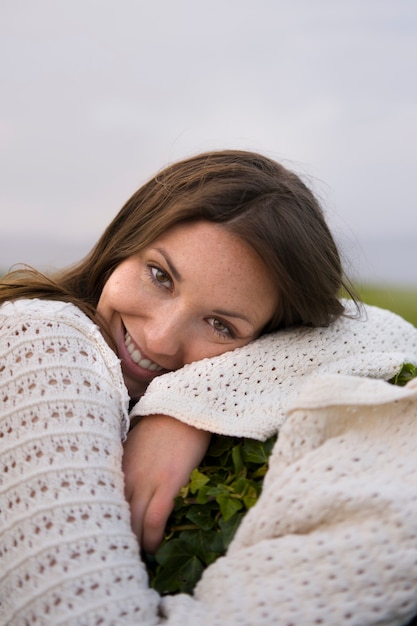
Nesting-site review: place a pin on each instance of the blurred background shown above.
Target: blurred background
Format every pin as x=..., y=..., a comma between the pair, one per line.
x=97, y=95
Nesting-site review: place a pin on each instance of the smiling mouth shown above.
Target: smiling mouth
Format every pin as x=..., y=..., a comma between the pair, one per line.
x=137, y=357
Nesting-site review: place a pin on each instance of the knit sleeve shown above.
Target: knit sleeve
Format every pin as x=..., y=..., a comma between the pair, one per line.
x=67, y=552
x=245, y=392
x=332, y=538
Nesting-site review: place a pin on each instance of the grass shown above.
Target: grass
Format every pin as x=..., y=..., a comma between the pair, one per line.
x=400, y=300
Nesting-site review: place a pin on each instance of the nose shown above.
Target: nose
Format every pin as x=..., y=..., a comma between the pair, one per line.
x=165, y=337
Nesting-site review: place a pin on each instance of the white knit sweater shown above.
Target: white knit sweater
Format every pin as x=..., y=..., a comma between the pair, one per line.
x=332, y=539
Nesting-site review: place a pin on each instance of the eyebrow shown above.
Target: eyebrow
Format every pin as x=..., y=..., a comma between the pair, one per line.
x=170, y=264
x=240, y=316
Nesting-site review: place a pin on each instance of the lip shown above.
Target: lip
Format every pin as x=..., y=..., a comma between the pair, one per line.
x=129, y=366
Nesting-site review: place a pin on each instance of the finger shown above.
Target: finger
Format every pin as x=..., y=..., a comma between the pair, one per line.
x=138, y=505
x=155, y=519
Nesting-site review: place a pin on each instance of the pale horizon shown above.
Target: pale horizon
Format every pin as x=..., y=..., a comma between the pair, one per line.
x=98, y=95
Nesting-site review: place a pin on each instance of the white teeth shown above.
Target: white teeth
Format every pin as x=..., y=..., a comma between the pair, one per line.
x=137, y=356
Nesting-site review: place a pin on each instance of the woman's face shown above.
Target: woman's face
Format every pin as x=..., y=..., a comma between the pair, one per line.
x=195, y=292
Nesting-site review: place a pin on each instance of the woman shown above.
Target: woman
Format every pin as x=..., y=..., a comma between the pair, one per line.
x=212, y=253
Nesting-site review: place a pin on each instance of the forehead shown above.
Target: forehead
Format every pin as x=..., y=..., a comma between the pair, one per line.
x=200, y=240
x=218, y=264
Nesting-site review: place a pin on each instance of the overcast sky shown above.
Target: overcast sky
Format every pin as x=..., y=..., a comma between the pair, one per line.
x=96, y=95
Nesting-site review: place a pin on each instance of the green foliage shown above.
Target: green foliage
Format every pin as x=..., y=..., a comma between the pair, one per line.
x=407, y=372
x=209, y=509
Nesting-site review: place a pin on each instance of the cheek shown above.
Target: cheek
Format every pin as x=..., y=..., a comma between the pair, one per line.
x=112, y=299
x=120, y=289
x=107, y=297
x=199, y=348
x=196, y=351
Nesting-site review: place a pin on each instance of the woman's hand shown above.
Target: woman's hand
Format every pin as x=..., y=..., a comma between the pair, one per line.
x=159, y=455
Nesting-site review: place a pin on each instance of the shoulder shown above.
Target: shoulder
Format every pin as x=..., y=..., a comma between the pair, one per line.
x=41, y=336
x=35, y=308
x=33, y=320
x=44, y=317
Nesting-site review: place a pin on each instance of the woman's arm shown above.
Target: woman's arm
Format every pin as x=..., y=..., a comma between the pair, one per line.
x=159, y=455
x=67, y=552
x=245, y=392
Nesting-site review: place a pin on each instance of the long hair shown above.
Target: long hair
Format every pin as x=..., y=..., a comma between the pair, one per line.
x=250, y=195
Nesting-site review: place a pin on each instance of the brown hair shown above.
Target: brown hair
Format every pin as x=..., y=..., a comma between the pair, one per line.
x=250, y=195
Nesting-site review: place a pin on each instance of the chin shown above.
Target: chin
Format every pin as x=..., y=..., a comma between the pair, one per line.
x=136, y=389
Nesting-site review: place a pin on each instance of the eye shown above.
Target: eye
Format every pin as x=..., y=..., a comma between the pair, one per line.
x=160, y=277
x=220, y=327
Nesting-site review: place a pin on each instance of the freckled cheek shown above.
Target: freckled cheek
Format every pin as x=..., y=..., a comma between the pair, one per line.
x=205, y=350
x=130, y=297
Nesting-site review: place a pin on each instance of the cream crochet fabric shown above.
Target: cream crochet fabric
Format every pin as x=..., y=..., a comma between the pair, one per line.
x=245, y=392
x=332, y=539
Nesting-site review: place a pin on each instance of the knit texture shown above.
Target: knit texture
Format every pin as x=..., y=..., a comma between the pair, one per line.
x=245, y=392
x=332, y=539
x=67, y=552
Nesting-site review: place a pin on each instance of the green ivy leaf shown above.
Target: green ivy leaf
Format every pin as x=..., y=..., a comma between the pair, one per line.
x=229, y=528
x=181, y=568
x=203, y=544
x=203, y=496
x=218, y=490
x=221, y=445
x=201, y=516
x=197, y=480
x=251, y=497
x=238, y=464
x=228, y=506
x=407, y=372
x=255, y=452
x=240, y=486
